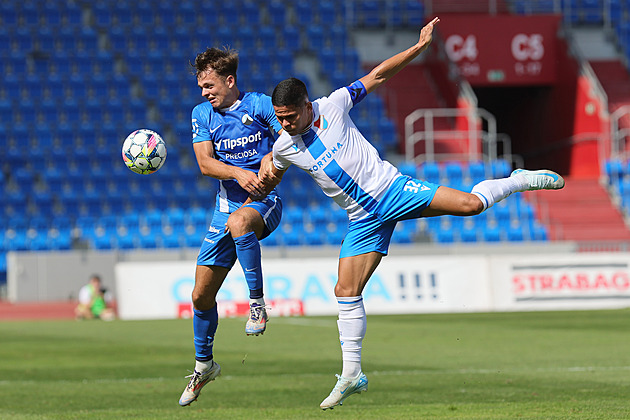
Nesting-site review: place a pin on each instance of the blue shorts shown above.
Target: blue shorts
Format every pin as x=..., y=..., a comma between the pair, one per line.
x=218, y=247
x=405, y=199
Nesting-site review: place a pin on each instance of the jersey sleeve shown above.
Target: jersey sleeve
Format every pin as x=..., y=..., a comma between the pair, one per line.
x=266, y=112
x=200, y=130
x=278, y=160
x=348, y=96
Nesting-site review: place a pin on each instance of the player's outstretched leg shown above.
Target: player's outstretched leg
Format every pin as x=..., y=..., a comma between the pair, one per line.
x=257, y=322
x=543, y=179
x=343, y=389
x=197, y=381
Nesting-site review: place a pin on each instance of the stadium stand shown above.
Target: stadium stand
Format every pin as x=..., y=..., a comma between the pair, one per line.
x=111, y=67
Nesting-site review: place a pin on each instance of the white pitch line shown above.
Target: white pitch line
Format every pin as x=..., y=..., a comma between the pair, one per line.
x=571, y=369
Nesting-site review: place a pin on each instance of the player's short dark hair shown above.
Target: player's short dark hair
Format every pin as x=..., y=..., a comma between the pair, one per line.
x=223, y=61
x=290, y=92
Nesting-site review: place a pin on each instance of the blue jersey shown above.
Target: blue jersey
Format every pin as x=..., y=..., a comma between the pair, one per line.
x=242, y=135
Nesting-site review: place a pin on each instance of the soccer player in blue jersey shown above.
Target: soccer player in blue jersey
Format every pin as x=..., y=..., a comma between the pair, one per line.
x=232, y=131
x=320, y=138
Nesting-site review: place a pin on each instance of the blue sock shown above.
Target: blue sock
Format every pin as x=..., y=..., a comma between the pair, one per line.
x=204, y=327
x=248, y=253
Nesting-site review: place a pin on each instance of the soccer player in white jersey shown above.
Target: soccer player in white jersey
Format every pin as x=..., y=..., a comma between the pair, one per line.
x=232, y=131
x=320, y=138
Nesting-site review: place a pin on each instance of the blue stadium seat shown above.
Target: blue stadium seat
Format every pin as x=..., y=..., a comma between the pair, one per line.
x=102, y=15
x=103, y=242
x=71, y=14
x=515, y=233
x=408, y=168
x=19, y=242
x=171, y=240
x=291, y=38
x=500, y=168
x=38, y=242
x=454, y=173
x=430, y=171
x=8, y=15
x=125, y=241
x=492, y=234
x=122, y=15
x=445, y=235
x=148, y=241
x=538, y=232
x=469, y=233
x=59, y=241
x=277, y=13
x=165, y=14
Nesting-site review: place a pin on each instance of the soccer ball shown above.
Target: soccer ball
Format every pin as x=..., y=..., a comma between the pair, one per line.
x=144, y=151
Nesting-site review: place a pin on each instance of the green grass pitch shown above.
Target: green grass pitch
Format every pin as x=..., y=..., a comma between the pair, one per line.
x=551, y=365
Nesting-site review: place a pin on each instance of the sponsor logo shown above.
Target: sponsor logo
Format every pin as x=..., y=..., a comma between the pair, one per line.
x=213, y=229
x=325, y=158
x=241, y=141
x=247, y=120
x=241, y=155
x=215, y=128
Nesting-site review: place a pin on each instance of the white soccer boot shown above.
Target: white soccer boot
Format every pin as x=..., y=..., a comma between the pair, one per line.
x=543, y=179
x=343, y=389
x=257, y=322
x=197, y=381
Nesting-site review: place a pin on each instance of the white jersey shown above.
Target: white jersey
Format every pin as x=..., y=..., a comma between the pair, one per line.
x=342, y=162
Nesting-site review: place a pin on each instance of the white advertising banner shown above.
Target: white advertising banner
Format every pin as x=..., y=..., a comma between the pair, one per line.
x=306, y=286
x=562, y=281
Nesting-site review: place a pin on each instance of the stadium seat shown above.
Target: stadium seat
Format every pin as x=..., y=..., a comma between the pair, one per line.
x=500, y=168
x=430, y=171
x=515, y=232
x=277, y=13
x=125, y=241
x=291, y=38
x=445, y=235
x=59, y=241
x=148, y=241
x=492, y=233
x=454, y=173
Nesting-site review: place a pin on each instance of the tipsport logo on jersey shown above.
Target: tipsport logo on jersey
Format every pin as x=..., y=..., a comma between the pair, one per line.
x=230, y=144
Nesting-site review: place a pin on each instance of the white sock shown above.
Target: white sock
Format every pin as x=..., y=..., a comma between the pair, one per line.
x=492, y=191
x=352, y=324
x=201, y=366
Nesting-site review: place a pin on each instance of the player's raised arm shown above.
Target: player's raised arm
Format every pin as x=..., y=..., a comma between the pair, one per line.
x=388, y=68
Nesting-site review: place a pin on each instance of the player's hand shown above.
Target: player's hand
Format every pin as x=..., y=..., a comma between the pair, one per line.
x=426, y=33
x=249, y=181
x=266, y=173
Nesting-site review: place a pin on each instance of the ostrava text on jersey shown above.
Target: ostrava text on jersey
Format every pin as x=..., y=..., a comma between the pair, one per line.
x=241, y=134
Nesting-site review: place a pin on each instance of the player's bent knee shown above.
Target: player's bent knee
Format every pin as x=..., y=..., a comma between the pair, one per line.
x=341, y=291
x=472, y=205
x=202, y=301
x=238, y=224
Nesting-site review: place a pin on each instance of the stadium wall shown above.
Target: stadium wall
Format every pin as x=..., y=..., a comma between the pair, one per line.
x=414, y=279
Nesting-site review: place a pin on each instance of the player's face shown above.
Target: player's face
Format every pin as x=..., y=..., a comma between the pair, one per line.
x=294, y=119
x=216, y=89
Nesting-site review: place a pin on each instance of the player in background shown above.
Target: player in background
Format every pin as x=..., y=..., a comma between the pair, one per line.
x=232, y=131
x=320, y=138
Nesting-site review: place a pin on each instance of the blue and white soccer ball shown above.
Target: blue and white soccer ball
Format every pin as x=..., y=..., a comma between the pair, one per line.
x=144, y=151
